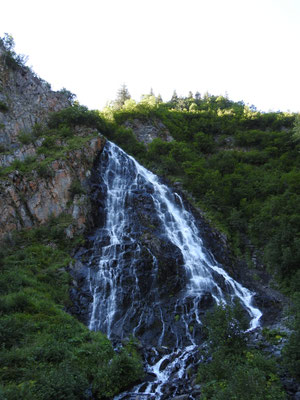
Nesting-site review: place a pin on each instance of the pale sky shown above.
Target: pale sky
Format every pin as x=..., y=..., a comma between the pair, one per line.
x=247, y=48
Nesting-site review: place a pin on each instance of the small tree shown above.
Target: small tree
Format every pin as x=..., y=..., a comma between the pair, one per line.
x=197, y=96
x=12, y=59
x=174, y=98
x=193, y=107
x=122, y=95
x=159, y=99
x=296, y=129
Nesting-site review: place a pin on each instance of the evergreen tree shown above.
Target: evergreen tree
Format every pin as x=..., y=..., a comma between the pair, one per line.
x=296, y=129
x=197, y=96
x=174, y=98
x=122, y=95
x=159, y=99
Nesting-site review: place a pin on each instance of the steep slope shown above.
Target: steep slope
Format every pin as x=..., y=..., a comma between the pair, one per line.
x=25, y=100
x=47, y=150
x=44, y=173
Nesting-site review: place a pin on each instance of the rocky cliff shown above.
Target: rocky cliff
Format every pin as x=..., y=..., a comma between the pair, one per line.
x=32, y=186
x=25, y=100
x=147, y=130
x=29, y=200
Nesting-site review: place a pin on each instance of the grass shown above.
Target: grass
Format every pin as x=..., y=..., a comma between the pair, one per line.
x=45, y=352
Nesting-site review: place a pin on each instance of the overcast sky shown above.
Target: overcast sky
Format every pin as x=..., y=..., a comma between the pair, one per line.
x=247, y=48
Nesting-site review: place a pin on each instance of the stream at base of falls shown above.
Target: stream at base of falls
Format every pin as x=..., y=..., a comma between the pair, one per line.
x=151, y=273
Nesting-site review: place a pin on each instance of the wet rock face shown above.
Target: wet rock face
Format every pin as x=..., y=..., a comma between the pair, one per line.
x=147, y=270
x=143, y=284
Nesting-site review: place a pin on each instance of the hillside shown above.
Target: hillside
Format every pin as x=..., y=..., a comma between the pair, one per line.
x=47, y=153
x=240, y=166
x=237, y=172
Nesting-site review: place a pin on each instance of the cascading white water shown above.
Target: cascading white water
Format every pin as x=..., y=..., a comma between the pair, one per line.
x=125, y=300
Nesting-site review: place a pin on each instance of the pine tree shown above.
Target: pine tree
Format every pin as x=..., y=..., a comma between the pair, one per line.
x=296, y=129
x=197, y=96
x=174, y=98
x=122, y=95
x=159, y=99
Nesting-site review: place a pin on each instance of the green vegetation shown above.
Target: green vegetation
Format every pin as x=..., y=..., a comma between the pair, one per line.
x=230, y=369
x=3, y=148
x=25, y=137
x=291, y=352
x=58, y=138
x=76, y=188
x=11, y=58
x=3, y=107
x=241, y=166
x=45, y=352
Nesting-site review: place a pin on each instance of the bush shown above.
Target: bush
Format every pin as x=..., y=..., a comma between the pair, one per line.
x=46, y=353
x=291, y=351
x=11, y=58
x=3, y=148
x=3, y=106
x=229, y=369
x=44, y=171
x=125, y=138
x=76, y=188
x=78, y=115
x=25, y=137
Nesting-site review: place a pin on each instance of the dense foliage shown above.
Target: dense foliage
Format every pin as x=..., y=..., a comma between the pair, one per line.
x=240, y=165
x=54, y=140
x=45, y=352
x=230, y=369
x=291, y=352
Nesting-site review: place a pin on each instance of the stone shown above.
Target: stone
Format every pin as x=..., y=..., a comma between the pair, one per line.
x=164, y=364
x=147, y=131
x=28, y=201
x=30, y=100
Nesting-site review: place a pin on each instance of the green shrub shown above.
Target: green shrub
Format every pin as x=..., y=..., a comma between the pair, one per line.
x=231, y=370
x=204, y=143
x=3, y=148
x=44, y=170
x=3, y=106
x=38, y=130
x=291, y=351
x=125, y=138
x=46, y=353
x=11, y=58
x=25, y=137
x=76, y=188
x=78, y=115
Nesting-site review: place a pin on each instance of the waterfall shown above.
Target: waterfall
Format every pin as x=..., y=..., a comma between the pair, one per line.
x=150, y=273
